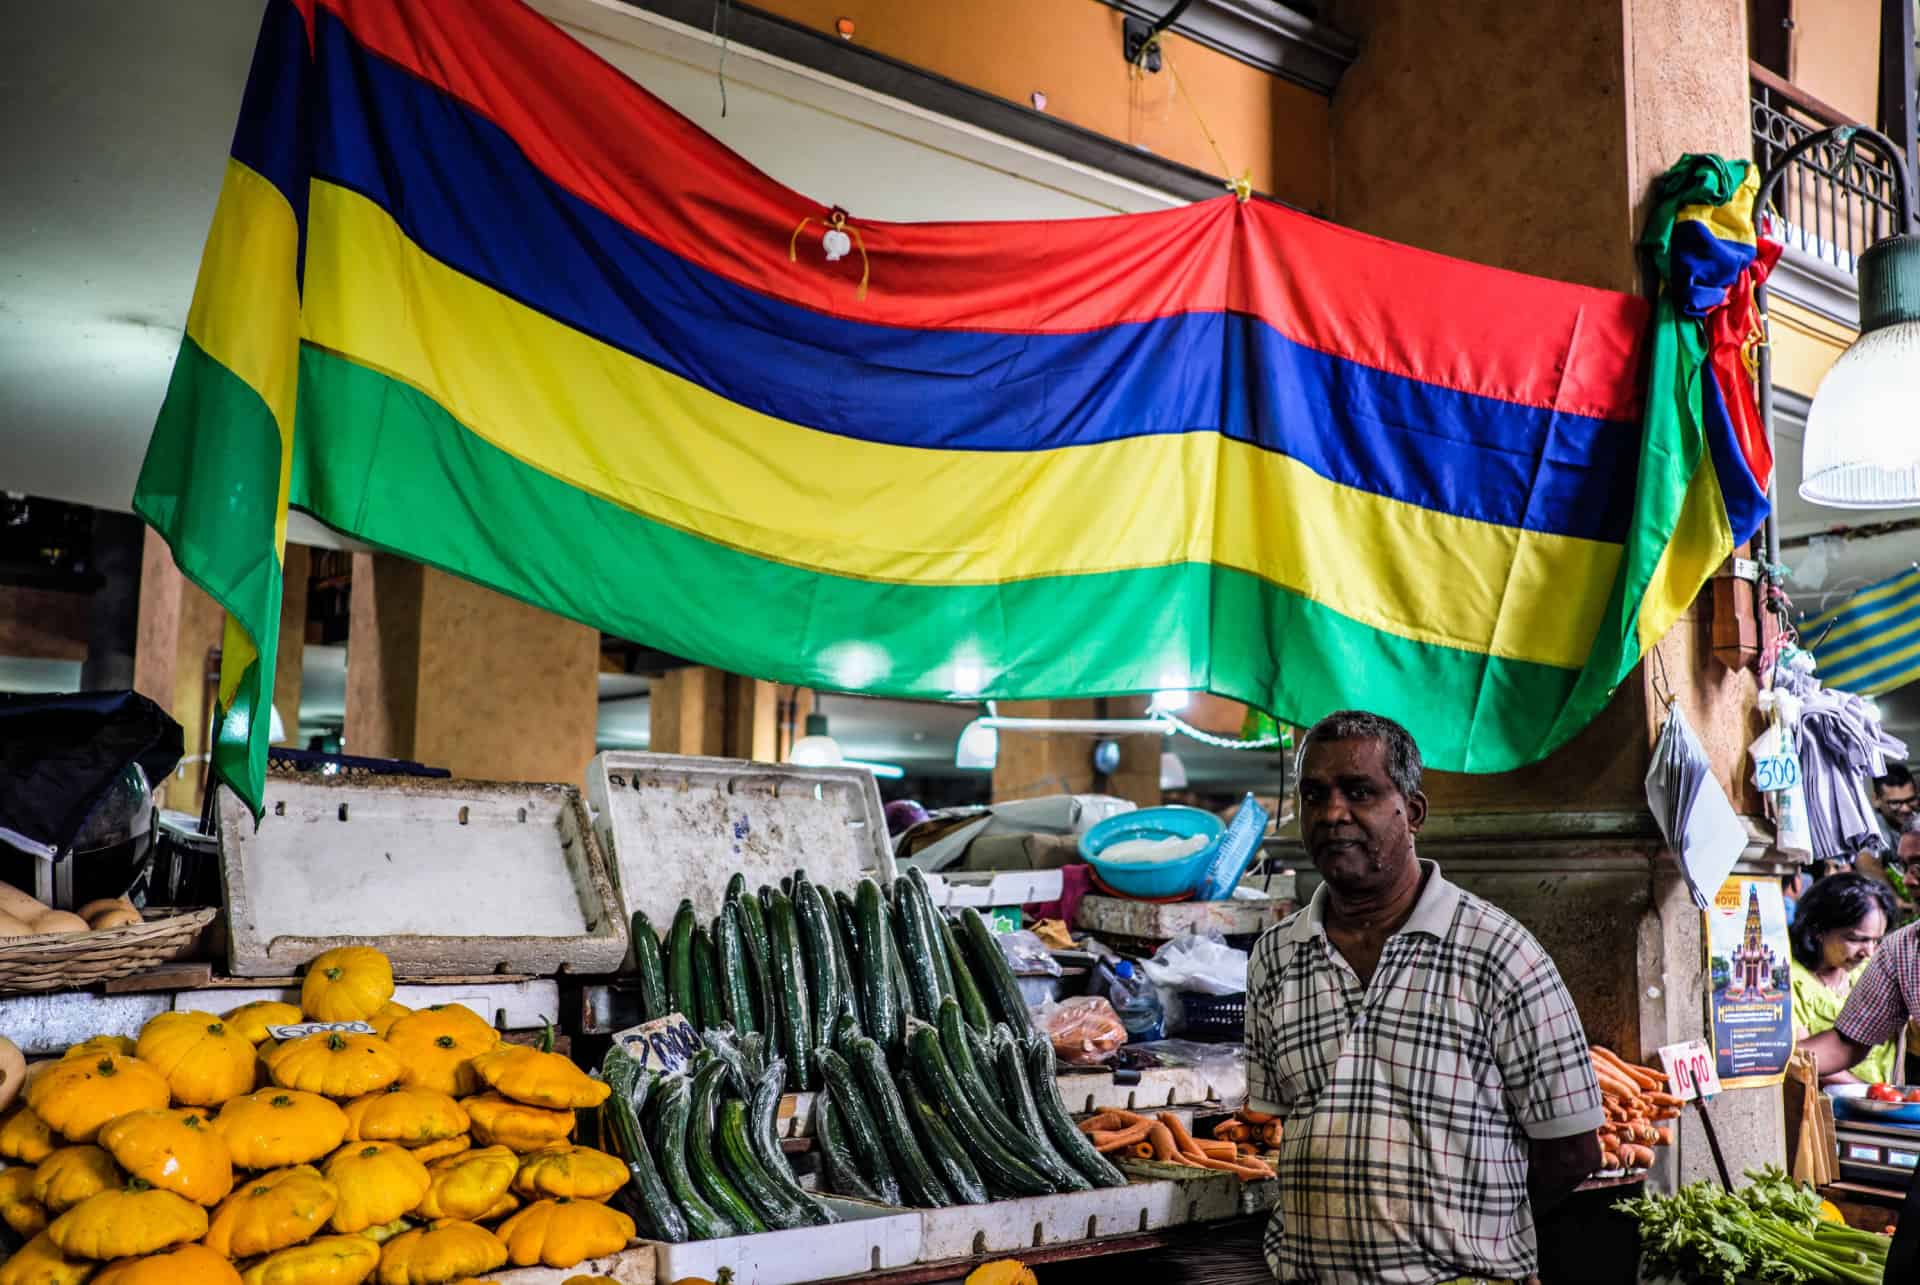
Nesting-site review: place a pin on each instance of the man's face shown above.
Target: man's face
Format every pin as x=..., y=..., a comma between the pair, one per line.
x=1909, y=849
x=1358, y=827
x=1897, y=803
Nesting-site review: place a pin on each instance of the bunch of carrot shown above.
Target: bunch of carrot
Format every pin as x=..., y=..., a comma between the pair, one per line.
x=1250, y=1131
x=1166, y=1139
x=1636, y=1101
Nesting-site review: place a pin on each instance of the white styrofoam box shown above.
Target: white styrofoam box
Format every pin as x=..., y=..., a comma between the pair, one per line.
x=50, y=1023
x=676, y=826
x=634, y=1265
x=446, y=877
x=1160, y=1087
x=511, y=1006
x=868, y=1238
x=1237, y=916
x=983, y=888
x=1008, y=1226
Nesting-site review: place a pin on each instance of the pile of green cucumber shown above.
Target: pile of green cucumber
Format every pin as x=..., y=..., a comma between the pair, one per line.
x=702, y=1151
x=935, y=1088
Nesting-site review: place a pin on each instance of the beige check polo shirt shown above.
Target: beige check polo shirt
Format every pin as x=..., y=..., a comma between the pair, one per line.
x=1408, y=1103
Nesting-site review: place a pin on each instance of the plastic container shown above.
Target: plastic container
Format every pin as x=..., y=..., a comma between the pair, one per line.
x=1137, y=1002
x=1234, y=852
x=1173, y=878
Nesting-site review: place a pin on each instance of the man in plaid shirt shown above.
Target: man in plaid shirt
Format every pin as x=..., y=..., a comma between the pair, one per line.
x=1419, y=1045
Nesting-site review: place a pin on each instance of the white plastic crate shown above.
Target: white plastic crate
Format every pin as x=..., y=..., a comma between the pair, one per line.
x=1032, y=1222
x=869, y=1238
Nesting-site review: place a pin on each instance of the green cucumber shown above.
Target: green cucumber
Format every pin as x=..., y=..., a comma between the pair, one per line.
x=721, y=1043
x=647, y=1196
x=863, y=1133
x=816, y=948
x=1007, y=1071
x=920, y=1185
x=849, y=999
x=916, y=950
x=847, y=916
x=680, y=983
x=972, y=1003
x=736, y=980
x=975, y=1072
x=775, y=1207
x=649, y=968
x=793, y=1017
x=878, y=1014
x=1042, y=1078
x=997, y=1162
x=991, y=970
x=707, y=1174
x=753, y=931
x=845, y=1028
x=736, y=886
x=841, y=1172
x=706, y=981
x=941, y=1146
x=932, y=919
x=704, y=1222
x=762, y=1113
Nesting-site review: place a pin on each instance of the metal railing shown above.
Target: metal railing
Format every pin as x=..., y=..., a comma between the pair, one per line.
x=1833, y=206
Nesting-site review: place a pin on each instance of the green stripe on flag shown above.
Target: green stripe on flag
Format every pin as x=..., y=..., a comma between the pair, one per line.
x=208, y=486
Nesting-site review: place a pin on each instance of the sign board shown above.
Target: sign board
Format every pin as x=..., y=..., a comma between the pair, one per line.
x=1749, y=983
x=1690, y=1069
x=295, y=1030
x=664, y=1045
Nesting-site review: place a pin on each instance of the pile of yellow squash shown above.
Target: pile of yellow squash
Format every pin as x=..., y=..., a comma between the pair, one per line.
x=207, y=1152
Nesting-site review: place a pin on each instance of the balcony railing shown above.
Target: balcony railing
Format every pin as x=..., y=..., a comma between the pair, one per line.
x=1831, y=210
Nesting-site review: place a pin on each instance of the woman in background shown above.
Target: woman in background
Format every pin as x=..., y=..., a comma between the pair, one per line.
x=1836, y=927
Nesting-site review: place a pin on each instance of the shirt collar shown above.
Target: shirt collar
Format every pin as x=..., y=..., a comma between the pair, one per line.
x=1432, y=914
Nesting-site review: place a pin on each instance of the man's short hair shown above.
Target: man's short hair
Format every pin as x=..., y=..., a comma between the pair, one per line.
x=1897, y=778
x=1403, y=756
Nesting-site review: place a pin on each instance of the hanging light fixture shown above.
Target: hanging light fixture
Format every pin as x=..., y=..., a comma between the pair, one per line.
x=817, y=748
x=1862, y=446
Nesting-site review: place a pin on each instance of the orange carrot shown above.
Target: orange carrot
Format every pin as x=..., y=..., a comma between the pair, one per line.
x=1111, y=1139
x=1217, y=1150
x=1182, y=1140
x=1663, y=1137
x=1163, y=1145
x=1663, y=1100
x=1141, y=1151
x=1644, y=1077
x=1256, y=1117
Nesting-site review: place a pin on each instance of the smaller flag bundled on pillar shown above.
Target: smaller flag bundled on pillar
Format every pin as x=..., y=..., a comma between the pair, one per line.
x=1870, y=643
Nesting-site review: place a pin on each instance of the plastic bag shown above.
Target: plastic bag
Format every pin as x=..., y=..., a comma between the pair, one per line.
x=1202, y=964
x=1085, y=1030
x=1027, y=955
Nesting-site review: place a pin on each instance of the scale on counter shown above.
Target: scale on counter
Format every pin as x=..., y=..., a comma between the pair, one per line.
x=1878, y=1155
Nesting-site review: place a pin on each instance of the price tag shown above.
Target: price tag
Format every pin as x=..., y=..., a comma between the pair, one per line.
x=297, y=1029
x=1776, y=772
x=665, y=1044
x=1690, y=1069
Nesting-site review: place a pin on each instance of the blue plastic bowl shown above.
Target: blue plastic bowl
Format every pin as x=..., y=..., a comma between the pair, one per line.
x=1156, y=878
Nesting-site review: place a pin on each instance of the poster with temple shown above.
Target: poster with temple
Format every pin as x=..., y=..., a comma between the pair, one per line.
x=1749, y=991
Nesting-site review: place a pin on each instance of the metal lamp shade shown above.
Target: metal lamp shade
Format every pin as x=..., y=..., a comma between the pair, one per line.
x=1862, y=448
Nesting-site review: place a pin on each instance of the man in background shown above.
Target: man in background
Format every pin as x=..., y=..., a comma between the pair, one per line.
x=1897, y=803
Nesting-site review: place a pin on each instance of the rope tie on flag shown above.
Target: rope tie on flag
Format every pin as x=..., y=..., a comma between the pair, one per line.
x=1241, y=187
x=835, y=242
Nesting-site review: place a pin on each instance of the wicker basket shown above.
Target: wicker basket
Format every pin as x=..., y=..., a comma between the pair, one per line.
x=73, y=960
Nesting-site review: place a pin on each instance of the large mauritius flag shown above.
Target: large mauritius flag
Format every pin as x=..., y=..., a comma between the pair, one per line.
x=472, y=296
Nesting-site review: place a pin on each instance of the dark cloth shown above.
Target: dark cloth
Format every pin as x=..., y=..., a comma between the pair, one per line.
x=60, y=754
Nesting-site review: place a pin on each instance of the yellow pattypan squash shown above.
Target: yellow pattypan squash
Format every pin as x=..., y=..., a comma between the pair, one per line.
x=501, y=1208
x=271, y=1212
x=437, y=1046
x=468, y=1185
x=277, y=1127
x=429, y=1152
x=377, y=1181
x=325, y=1260
x=346, y=984
x=385, y=1016
x=77, y=1095
x=408, y=1116
x=187, y=1265
x=1002, y=1271
x=445, y=1250
x=205, y=1061
x=563, y=1232
x=20, y=1209
x=250, y=1021
x=500, y=1120
x=334, y=1063
x=176, y=1150
x=539, y=1077
x=127, y=1221
x=387, y=1231
x=72, y=1174
x=24, y=1136
x=119, y=1044
x=580, y=1172
x=40, y=1262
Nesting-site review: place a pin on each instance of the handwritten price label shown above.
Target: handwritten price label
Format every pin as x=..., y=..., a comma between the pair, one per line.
x=1690, y=1069
x=1776, y=772
x=665, y=1044
x=295, y=1031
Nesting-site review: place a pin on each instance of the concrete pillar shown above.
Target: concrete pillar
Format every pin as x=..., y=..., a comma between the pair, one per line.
x=287, y=676
x=444, y=672
x=698, y=710
x=1034, y=764
x=177, y=627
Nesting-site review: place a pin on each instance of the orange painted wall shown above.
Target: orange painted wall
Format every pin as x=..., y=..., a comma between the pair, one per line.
x=1836, y=54
x=1070, y=51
